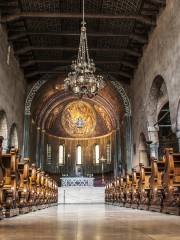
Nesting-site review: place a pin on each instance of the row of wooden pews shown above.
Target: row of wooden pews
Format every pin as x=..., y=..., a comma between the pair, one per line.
x=23, y=187
x=155, y=188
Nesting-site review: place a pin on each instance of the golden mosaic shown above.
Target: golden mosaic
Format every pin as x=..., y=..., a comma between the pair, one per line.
x=79, y=119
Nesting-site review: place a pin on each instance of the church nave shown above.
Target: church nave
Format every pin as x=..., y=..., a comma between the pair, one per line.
x=91, y=222
x=90, y=119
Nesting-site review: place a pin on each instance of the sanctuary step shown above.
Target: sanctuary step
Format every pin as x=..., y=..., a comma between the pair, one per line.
x=75, y=195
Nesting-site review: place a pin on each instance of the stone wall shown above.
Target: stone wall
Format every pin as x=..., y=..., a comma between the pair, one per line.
x=12, y=87
x=161, y=57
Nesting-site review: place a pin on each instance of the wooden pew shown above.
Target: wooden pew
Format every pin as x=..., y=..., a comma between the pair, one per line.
x=122, y=189
x=38, y=188
x=117, y=189
x=43, y=190
x=55, y=198
x=48, y=191
x=143, y=187
x=1, y=181
x=112, y=192
x=135, y=192
x=107, y=192
x=24, y=187
x=128, y=190
x=171, y=183
x=32, y=187
x=11, y=183
x=116, y=192
x=156, y=188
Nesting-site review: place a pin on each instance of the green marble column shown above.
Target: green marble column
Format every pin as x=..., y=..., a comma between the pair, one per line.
x=26, y=140
x=117, y=155
x=42, y=149
x=38, y=147
x=128, y=126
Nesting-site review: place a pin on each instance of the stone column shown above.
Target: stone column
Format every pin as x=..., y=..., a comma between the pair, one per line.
x=38, y=147
x=118, y=149
x=154, y=138
x=129, y=145
x=115, y=155
x=143, y=155
x=178, y=137
x=26, y=142
x=42, y=147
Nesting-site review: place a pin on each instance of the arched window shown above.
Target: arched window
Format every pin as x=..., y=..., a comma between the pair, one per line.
x=13, y=137
x=4, y=130
x=97, y=153
x=108, y=153
x=79, y=155
x=61, y=155
x=167, y=139
x=49, y=153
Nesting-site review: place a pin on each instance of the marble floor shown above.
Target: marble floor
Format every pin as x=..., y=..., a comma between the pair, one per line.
x=91, y=222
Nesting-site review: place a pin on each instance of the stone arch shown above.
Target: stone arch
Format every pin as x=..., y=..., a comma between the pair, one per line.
x=178, y=118
x=4, y=130
x=158, y=97
x=142, y=149
x=13, y=140
x=178, y=125
x=117, y=85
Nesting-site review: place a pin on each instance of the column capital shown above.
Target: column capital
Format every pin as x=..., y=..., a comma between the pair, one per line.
x=153, y=128
x=178, y=133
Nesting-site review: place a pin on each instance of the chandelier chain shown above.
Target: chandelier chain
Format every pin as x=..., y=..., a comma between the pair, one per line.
x=82, y=79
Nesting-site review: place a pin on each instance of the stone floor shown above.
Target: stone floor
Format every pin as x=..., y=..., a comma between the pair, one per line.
x=91, y=222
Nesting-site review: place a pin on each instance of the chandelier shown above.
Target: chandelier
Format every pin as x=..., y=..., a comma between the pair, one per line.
x=82, y=80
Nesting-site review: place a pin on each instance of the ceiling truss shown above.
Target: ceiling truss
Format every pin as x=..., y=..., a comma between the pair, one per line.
x=46, y=34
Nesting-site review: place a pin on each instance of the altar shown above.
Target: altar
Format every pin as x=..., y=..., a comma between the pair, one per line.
x=77, y=181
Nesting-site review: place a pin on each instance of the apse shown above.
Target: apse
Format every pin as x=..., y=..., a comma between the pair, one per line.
x=73, y=132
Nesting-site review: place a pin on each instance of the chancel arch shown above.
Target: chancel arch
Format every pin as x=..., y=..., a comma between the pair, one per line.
x=63, y=119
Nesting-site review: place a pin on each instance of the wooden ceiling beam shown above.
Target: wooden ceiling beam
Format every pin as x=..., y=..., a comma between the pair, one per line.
x=18, y=35
x=66, y=62
x=24, y=50
x=35, y=73
x=8, y=4
x=23, y=15
x=157, y=2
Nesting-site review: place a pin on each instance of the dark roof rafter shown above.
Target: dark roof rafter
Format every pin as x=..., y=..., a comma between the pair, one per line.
x=16, y=35
x=109, y=50
x=34, y=73
x=158, y=3
x=65, y=62
x=45, y=34
x=23, y=15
